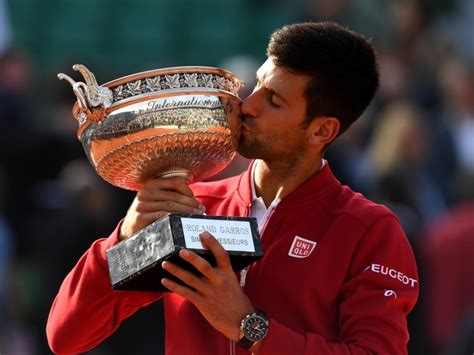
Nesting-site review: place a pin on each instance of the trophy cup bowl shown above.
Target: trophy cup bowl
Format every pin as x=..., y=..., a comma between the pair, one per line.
x=180, y=121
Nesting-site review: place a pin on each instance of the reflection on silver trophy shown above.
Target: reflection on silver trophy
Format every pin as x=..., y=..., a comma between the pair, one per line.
x=180, y=121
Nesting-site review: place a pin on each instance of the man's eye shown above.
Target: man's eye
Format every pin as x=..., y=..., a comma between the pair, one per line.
x=273, y=101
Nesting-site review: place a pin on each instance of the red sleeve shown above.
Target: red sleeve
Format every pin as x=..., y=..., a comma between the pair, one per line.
x=86, y=309
x=380, y=290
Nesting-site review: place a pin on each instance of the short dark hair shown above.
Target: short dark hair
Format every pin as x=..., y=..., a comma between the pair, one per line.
x=341, y=63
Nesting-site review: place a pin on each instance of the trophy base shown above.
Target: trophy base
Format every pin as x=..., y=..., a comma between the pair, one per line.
x=135, y=263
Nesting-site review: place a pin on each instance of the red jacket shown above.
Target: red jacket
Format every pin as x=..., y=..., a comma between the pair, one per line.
x=448, y=248
x=346, y=290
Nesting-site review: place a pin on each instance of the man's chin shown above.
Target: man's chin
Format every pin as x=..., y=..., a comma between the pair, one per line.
x=247, y=152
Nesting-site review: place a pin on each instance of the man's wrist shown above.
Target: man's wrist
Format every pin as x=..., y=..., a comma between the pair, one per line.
x=255, y=347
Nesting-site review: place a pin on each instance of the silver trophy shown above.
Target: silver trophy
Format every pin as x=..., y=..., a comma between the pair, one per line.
x=181, y=121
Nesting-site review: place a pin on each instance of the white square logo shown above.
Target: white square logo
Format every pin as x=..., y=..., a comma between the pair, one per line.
x=301, y=248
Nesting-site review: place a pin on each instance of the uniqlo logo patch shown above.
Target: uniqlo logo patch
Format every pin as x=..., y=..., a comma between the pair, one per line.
x=301, y=248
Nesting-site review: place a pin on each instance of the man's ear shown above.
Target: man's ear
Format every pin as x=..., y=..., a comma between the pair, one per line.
x=323, y=130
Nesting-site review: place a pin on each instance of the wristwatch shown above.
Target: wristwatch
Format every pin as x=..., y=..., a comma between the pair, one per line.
x=253, y=328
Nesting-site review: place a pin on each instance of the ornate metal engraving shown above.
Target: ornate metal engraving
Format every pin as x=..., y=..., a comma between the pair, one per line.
x=175, y=81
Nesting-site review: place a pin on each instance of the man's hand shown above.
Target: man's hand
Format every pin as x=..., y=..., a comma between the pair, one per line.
x=217, y=293
x=159, y=197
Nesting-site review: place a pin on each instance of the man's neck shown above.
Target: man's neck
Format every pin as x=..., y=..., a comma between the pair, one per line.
x=277, y=180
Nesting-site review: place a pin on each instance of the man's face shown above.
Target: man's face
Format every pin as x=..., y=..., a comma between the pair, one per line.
x=273, y=115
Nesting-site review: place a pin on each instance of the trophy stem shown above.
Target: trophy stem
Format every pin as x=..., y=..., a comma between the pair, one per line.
x=183, y=173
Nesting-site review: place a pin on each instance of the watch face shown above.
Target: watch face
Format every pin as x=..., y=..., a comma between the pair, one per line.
x=255, y=328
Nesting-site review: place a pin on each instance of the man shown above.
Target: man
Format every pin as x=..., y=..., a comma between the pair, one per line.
x=338, y=275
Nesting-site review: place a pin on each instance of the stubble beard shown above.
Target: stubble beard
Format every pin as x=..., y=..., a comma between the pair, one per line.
x=259, y=148
x=255, y=146
x=249, y=149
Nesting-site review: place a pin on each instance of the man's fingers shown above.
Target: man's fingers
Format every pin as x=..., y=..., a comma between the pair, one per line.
x=187, y=277
x=177, y=184
x=158, y=197
x=163, y=208
x=164, y=195
x=181, y=290
x=211, y=243
x=200, y=264
x=180, y=206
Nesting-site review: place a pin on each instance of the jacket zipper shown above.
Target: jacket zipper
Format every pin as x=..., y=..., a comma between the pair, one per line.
x=243, y=273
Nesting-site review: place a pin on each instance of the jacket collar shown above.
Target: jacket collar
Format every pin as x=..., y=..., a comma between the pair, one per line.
x=318, y=185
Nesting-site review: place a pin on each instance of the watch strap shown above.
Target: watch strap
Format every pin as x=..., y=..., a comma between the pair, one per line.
x=245, y=343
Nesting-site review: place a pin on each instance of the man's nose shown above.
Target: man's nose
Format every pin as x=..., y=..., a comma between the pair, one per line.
x=250, y=106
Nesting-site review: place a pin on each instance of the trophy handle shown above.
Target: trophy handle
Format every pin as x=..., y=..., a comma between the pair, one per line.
x=89, y=94
x=93, y=99
x=79, y=89
x=96, y=95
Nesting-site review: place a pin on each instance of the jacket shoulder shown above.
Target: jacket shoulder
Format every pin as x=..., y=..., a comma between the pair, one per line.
x=357, y=207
